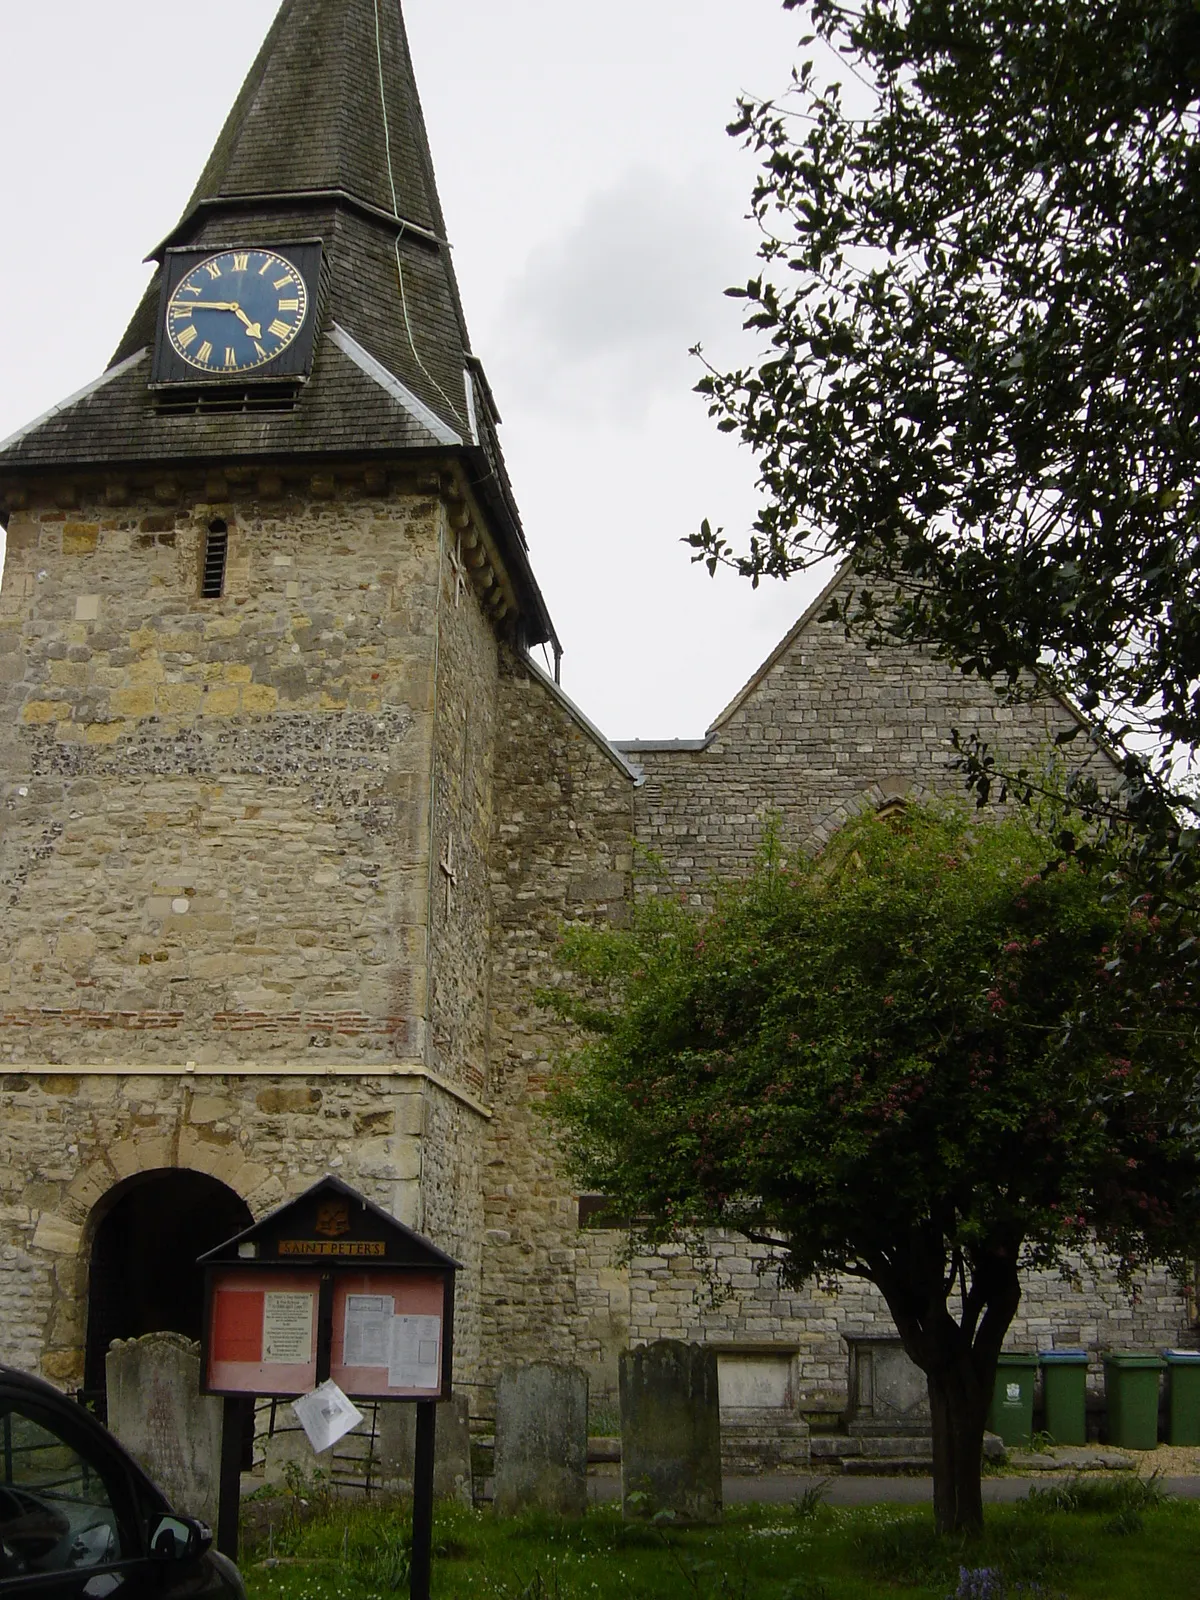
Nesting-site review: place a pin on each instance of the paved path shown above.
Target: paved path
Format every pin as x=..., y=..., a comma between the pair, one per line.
x=856, y=1491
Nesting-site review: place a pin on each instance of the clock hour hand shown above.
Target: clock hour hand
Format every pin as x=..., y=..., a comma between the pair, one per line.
x=252, y=328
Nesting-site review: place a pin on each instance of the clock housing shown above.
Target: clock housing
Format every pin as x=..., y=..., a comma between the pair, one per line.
x=234, y=313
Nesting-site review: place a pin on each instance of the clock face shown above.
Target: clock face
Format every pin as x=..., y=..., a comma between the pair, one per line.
x=236, y=311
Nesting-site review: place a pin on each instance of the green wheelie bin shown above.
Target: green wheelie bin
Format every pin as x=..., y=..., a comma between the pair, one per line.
x=1064, y=1394
x=1131, y=1394
x=1183, y=1396
x=1011, y=1413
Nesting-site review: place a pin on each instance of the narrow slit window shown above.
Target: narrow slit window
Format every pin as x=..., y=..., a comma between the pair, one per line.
x=216, y=549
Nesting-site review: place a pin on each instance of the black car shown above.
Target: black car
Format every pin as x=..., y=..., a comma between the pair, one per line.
x=78, y=1517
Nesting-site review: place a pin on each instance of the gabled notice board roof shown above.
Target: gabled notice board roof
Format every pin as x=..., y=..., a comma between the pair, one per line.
x=333, y=1224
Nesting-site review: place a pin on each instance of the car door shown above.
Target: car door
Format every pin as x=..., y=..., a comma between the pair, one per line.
x=72, y=1520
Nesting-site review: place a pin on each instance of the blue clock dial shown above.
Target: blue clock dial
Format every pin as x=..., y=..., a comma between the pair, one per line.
x=236, y=311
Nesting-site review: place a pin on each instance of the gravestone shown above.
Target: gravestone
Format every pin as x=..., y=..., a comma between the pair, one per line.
x=156, y=1410
x=395, y=1449
x=889, y=1394
x=671, y=1432
x=541, y=1440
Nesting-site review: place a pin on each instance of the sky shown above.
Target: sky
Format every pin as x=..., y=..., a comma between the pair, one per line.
x=597, y=211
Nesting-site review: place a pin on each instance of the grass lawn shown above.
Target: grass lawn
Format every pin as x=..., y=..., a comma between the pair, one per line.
x=1089, y=1540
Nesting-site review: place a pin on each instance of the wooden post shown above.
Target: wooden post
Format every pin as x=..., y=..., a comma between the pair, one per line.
x=422, y=1540
x=229, y=1506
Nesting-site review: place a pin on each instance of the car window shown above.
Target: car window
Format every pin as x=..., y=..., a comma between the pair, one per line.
x=55, y=1512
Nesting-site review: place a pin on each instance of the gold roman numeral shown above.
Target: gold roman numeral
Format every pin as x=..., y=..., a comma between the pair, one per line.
x=241, y=263
x=289, y=305
x=213, y=269
x=266, y=266
x=230, y=356
x=282, y=283
x=262, y=354
x=204, y=351
x=192, y=288
x=188, y=337
x=279, y=329
x=181, y=311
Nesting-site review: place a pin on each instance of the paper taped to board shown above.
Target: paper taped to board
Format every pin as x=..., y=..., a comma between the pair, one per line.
x=414, y=1356
x=368, y=1327
x=287, y=1329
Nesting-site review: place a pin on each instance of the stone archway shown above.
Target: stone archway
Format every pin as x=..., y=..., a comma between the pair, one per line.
x=885, y=795
x=146, y=1234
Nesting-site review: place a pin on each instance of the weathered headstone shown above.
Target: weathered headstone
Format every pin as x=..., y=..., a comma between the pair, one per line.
x=395, y=1449
x=541, y=1440
x=671, y=1432
x=156, y=1410
x=889, y=1394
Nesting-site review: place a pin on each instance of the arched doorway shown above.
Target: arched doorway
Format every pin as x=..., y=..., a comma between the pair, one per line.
x=143, y=1276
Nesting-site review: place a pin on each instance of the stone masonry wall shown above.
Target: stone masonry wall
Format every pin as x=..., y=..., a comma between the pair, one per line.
x=214, y=852
x=213, y=840
x=464, y=758
x=67, y=1140
x=562, y=852
x=460, y=953
x=828, y=727
x=670, y=1301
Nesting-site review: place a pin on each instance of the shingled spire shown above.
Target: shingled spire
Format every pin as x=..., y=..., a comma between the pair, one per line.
x=325, y=141
x=310, y=115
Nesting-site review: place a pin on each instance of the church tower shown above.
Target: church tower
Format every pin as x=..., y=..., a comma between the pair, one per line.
x=262, y=578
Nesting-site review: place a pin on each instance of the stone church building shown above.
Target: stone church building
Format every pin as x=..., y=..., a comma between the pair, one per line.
x=291, y=822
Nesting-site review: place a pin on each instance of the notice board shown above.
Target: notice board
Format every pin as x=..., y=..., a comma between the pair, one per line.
x=262, y=1332
x=389, y=1334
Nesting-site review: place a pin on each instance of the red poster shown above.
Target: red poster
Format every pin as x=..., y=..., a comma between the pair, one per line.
x=237, y=1325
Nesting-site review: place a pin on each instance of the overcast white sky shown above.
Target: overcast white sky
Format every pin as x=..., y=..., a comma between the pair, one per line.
x=596, y=207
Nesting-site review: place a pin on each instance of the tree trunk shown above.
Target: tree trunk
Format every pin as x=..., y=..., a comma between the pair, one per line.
x=958, y=1409
x=958, y=1359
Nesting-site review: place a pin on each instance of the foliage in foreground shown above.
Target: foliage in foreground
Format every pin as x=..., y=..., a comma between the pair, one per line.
x=1030, y=1551
x=905, y=1062
x=980, y=309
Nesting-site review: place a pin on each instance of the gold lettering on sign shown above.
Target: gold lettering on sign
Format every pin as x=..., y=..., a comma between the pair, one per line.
x=332, y=1247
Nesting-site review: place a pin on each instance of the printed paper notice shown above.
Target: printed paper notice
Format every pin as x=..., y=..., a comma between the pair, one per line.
x=368, y=1326
x=326, y=1415
x=287, y=1329
x=414, y=1355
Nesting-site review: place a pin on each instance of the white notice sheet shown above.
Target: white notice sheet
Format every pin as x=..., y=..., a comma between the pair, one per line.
x=368, y=1324
x=287, y=1329
x=415, y=1353
x=326, y=1415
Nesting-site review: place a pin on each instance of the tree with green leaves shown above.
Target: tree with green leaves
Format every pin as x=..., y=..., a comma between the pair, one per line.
x=979, y=307
x=904, y=1062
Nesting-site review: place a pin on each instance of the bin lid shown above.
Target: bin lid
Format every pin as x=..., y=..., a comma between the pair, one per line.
x=1009, y=1358
x=1132, y=1358
x=1064, y=1358
x=1182, y=1357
